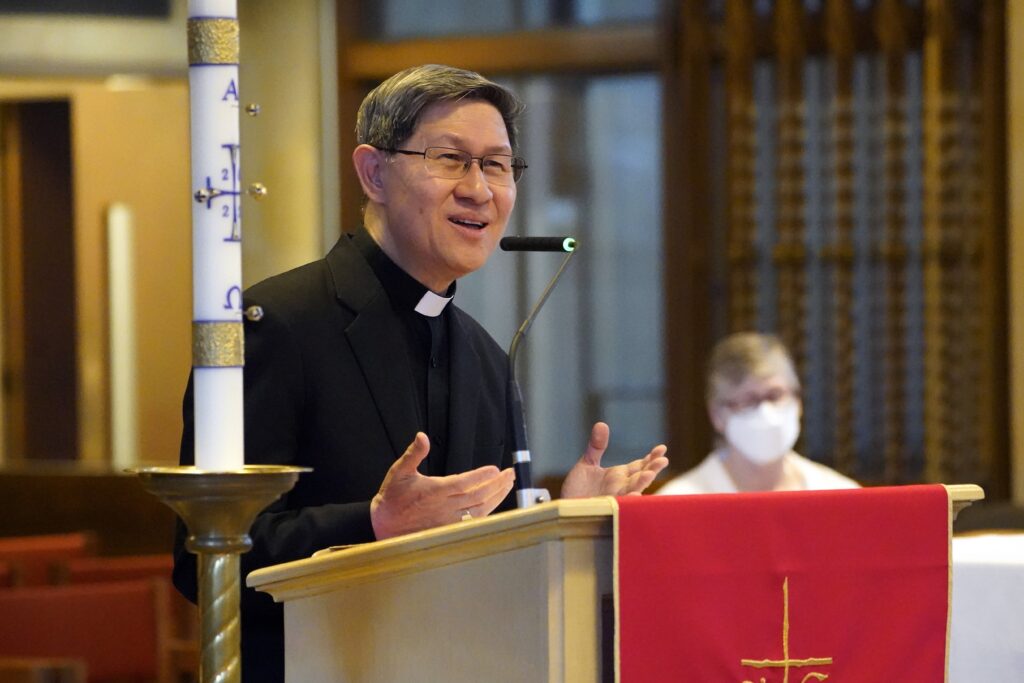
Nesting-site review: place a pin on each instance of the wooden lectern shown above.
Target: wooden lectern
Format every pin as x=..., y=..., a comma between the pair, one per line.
x=512, y=597
x=520, y=596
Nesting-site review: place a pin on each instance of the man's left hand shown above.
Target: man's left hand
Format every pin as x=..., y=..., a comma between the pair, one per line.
x=587, y=478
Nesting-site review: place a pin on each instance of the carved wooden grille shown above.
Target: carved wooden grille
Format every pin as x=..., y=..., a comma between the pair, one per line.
x=863, y=219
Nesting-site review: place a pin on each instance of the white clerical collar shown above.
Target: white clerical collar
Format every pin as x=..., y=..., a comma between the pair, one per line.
x=431, y=305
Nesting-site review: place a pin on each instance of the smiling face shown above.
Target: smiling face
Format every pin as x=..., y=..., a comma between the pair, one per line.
x=439, y=229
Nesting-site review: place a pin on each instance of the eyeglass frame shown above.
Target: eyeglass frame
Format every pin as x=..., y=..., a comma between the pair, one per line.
x=776, y=397
x=518, y=164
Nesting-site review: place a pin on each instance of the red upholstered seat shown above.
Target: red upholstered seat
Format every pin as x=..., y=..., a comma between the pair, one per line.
x=33, y=560
x=118, y=628
x=183, y=640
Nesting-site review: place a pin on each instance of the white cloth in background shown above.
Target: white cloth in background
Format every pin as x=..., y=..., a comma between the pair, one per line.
x=711, y=477
x=986, y=641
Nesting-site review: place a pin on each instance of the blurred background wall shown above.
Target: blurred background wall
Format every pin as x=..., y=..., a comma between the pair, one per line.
x=96, y=238
x=841, y=172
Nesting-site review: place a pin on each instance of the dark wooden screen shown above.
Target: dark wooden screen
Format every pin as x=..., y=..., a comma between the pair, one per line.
x=854, y=204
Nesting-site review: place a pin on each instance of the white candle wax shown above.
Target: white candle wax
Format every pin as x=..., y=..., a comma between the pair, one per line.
x=216, y=243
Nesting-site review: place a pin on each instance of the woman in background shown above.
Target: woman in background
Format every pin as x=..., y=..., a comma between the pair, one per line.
x=753, y=399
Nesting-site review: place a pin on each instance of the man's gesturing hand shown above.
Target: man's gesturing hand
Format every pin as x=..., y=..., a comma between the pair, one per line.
x=587, y=477
x=409, y=501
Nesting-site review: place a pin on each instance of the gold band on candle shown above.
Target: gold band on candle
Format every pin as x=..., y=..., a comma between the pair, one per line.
x=217, y=345
x=213, y=41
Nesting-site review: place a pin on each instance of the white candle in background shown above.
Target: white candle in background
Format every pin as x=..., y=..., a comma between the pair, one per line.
x=121, y=307
x=216, y=234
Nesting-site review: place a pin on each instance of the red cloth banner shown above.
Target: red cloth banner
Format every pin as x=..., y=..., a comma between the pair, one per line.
x=791, y=587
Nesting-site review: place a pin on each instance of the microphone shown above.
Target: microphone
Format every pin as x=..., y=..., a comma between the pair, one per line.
x=518, y=243
x=526, y=494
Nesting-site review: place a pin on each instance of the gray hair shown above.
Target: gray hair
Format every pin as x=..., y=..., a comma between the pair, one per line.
x=747, y=354
x=389, y=114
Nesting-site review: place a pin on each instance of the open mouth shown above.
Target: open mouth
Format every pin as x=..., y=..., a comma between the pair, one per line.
x=465, y=223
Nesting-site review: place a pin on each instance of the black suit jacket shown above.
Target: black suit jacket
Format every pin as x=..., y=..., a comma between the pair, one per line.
x=328, y=385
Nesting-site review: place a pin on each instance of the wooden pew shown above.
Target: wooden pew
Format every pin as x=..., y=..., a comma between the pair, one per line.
x=35, y=560
x=120, y=629
x=183, y=645
x=41, y=670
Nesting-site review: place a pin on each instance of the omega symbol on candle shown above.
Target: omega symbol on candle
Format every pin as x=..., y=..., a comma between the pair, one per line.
x=234, y=299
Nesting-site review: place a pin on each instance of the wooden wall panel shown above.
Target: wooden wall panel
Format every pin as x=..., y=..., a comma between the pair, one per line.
x=993, y=408
x=42, y=370
x=153, y=179
x=1014, y=179
x=840, y=18
x=12, y=400
x=892, y=25
x=742, y=142
x=790, y=254
x=127, y=520
x=687, y=238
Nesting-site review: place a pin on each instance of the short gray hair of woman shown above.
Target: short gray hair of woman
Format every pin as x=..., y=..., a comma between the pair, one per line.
x=389, y=114
x=743, y=355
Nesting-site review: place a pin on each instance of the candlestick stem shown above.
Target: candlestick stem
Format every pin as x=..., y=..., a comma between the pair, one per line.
x=218, y=509
x=219, y=617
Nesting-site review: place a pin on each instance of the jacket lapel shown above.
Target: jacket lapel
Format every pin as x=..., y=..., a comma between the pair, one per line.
x=464, y=395
x=375, y=337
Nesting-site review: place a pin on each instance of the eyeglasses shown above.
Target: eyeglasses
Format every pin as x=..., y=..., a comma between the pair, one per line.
x=777, y=397
x=445, y=162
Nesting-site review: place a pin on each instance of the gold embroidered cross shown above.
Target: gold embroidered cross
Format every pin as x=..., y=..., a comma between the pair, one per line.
x=785, y=663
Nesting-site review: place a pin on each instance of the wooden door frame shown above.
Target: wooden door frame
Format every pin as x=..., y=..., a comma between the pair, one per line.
x=1015, y=221
x=12, y=399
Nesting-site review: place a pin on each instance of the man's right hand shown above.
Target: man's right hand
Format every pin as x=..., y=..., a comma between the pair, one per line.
x=409, y=501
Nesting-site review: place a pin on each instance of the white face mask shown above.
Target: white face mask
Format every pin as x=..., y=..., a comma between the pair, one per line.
x=765, y=433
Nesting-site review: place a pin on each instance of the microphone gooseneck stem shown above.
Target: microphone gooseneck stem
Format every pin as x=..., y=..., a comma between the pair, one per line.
x=520, y=449
x=526, y=494
x=525, y=327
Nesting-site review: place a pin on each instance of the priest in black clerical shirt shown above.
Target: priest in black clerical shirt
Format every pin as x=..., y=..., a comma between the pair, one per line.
x=358, y=368
x=424, y=317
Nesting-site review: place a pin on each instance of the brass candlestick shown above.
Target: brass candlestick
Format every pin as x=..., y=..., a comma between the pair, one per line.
x=218, y=509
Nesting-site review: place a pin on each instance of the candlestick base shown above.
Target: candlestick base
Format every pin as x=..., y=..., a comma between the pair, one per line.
x=218, y=509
